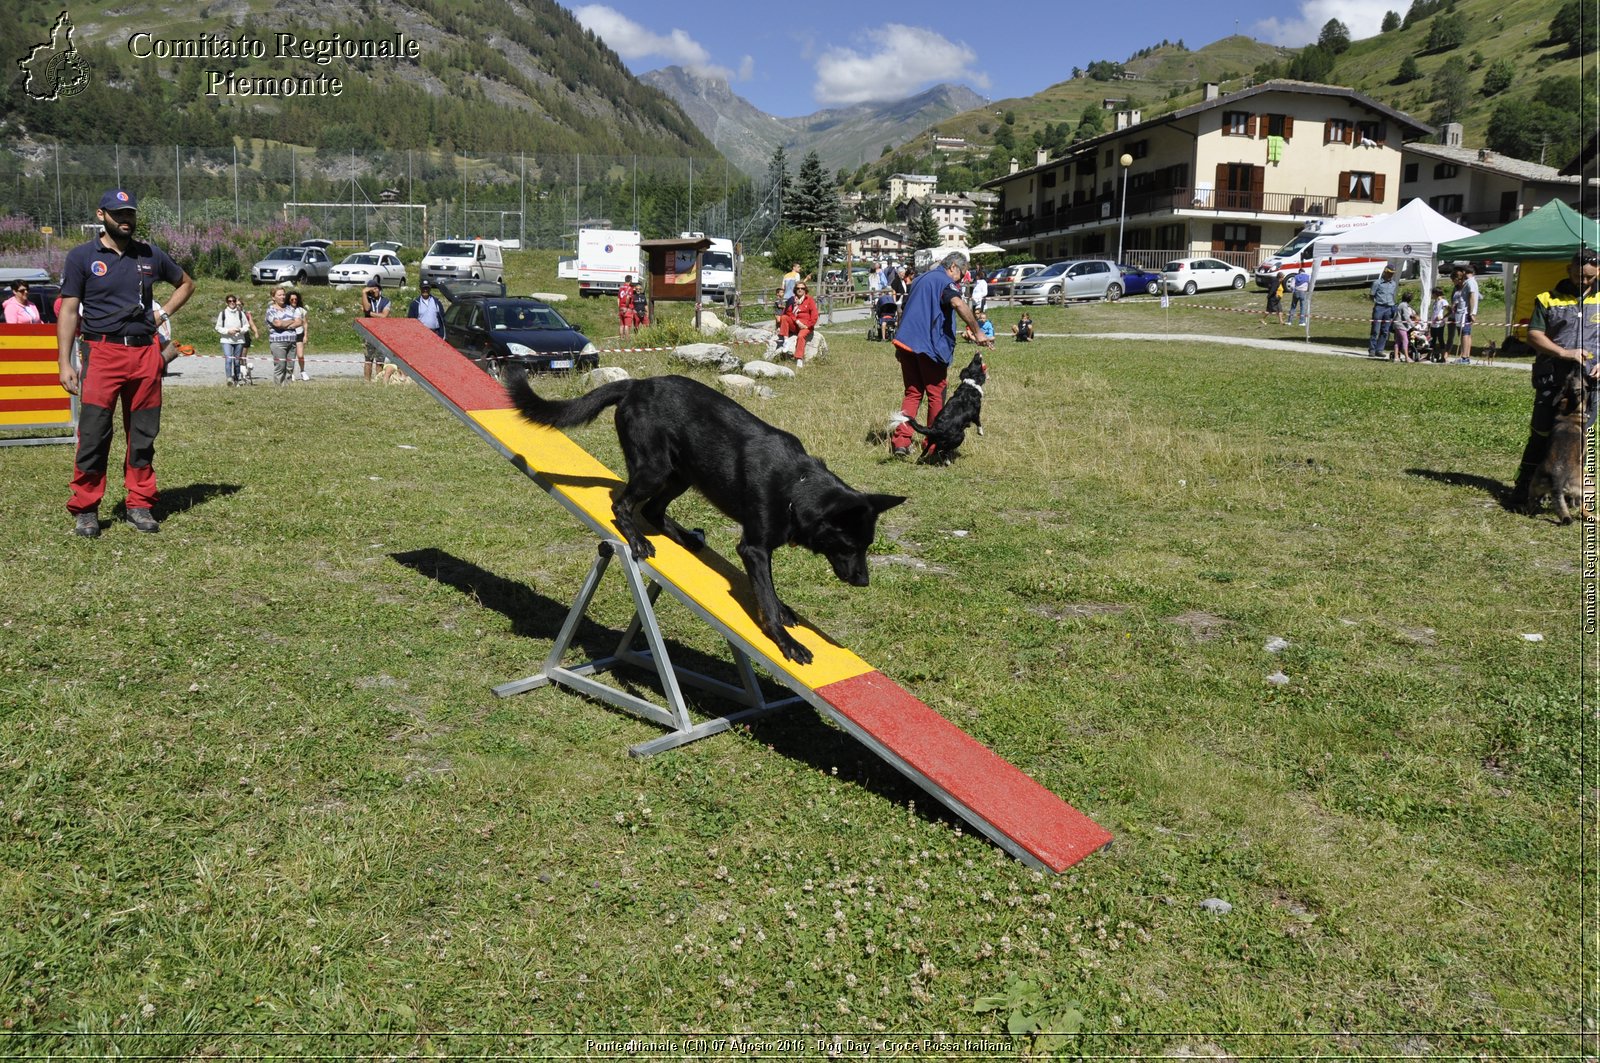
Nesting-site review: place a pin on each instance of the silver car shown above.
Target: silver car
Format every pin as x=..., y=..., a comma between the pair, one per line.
x=1080, y=278
x=292, y=265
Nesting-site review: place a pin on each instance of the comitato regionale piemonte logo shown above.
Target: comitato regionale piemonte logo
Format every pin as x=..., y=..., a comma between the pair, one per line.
x=55, y=69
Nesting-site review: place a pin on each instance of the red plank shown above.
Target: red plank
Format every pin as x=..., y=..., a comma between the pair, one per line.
x=29, y=380
x=996, y=791
x=467, y=386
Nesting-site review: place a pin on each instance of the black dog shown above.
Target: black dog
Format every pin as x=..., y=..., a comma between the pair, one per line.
x=677, y=433
x=949, y=430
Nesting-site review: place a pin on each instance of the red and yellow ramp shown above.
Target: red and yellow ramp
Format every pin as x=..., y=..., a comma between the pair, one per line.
x=998, y=799
x=31, y=395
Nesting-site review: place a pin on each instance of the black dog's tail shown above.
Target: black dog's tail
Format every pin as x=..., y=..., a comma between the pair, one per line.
x=563, y=413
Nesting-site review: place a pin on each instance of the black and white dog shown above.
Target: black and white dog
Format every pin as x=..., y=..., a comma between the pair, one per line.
x=944, y=436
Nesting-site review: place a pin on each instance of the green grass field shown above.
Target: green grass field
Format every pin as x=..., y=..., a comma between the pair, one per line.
x=259, y=800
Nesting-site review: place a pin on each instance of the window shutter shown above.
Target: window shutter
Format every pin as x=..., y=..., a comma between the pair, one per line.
x=1219, y=238
x=1350, y=134
x=1288, y=126
x=1250, y=126
x=1253, y=239
x=1327, y=131
x=1258, y=186
x=1344, y=186
x=1377, y=187
x=1383, y=133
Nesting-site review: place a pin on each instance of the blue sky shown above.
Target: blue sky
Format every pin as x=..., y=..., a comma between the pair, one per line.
x=792, y=60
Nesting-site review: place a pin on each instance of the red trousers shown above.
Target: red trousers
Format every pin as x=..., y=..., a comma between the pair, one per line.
x=923, y=377
x=131, y=377
x=789, y=325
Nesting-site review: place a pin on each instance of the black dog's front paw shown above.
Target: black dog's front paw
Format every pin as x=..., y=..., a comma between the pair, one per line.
x=792, y=649
x=642, y=548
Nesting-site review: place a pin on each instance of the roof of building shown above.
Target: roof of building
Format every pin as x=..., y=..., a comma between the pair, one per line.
x=1308, y=88
x=1491, y=161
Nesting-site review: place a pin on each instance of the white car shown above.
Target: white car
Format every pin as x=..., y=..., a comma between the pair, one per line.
x=363, y=266
x=1190, y=275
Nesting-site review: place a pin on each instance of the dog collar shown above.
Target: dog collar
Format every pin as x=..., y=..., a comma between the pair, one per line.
x=969, y=384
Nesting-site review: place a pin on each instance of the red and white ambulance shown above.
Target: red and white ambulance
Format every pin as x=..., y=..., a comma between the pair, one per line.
x=1337, y=270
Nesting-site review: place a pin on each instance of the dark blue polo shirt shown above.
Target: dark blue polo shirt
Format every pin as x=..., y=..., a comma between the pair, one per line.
x=115, y=291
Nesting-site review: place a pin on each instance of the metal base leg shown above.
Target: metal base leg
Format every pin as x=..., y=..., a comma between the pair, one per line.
x=654, y=656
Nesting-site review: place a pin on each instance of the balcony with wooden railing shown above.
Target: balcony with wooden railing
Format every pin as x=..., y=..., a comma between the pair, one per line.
x=1141, y=207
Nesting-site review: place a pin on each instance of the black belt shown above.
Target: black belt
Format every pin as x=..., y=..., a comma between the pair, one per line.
x=127, y=339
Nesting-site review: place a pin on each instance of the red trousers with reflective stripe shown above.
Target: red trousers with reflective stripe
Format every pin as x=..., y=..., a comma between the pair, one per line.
x=131, y=377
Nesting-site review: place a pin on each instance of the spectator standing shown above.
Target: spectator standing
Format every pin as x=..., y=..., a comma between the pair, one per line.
x=426, y=309
x=374, y=304
x=107, y=285
x=1438, y=316
x=236, y=327
x=19, y=311
x=282, y=322
x=1464, y=302
x=627, y=315
x=925, y=343
x=1564, y=331
x=980, y=291
x=297, y=304
x=1300, y=297
x=1404, y=318
x=1275, y=298
x=1383, y=303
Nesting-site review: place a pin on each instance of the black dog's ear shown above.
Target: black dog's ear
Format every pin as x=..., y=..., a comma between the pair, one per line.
x=880, y=503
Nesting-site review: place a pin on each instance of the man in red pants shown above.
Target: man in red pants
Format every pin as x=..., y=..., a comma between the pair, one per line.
x=107, y=291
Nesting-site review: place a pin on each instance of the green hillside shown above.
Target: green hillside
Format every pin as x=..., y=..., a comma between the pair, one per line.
x=489, y=78
x=1539, y=106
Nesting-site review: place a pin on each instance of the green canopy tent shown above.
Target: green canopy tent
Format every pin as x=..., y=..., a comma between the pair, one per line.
x=1541, y=242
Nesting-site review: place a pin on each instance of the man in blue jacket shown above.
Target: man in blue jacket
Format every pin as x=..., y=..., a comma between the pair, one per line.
x=925, y=342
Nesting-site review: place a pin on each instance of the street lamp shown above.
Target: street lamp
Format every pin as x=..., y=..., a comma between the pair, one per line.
x=1126, y=161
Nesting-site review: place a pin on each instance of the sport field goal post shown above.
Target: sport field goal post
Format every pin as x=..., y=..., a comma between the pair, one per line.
x=364, y=223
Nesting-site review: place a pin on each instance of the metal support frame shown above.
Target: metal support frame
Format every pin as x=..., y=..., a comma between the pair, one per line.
x=654, y=656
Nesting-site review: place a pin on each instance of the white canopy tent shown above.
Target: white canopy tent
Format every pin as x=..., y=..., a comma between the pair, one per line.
x=1414, y=231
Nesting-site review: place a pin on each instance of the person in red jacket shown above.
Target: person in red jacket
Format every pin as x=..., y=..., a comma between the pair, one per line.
x=800, y=322
x=627, y=315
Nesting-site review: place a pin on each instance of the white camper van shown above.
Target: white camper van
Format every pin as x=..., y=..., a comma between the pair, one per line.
x=717, y=274
x=1337, y=270
x=606, y=257
x=458, y=259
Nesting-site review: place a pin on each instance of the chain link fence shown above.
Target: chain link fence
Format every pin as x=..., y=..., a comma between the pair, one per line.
x=413, y=196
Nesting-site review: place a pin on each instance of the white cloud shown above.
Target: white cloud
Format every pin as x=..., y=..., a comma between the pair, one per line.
x=902, y=60
x=632, y=41
x=1364, y=18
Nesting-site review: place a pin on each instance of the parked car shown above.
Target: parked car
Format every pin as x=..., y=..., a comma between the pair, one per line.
x=1003, y=283
x=383, y=266
x=295, y=265
x=1190, y=275
x=317, y=242
x=504, y=334
x=1081, y=278
x=1136, y=280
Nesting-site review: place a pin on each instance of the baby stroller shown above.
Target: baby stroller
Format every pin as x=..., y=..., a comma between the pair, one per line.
x=1421, y=343
x=887, y=313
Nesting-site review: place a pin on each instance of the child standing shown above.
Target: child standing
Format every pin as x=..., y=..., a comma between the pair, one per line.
x=1437, y=316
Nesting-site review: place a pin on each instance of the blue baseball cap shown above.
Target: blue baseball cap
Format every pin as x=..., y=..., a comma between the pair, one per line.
x=117, y=199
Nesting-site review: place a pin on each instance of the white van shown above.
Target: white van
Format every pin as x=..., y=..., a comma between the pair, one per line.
x=458, y=259
x=717, y=280
x=1337, y=270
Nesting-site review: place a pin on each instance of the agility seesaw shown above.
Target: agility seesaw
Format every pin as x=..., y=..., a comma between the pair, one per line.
x=996, y=798
x=31, y=395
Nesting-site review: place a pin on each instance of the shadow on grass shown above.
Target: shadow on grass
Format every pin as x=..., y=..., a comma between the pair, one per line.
x=793, y=732
x=1495, y=489
x=178, y=499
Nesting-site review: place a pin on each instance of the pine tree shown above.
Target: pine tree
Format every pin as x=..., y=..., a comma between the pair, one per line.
x=778, y=179
x=813, y=203
x=924, y=232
